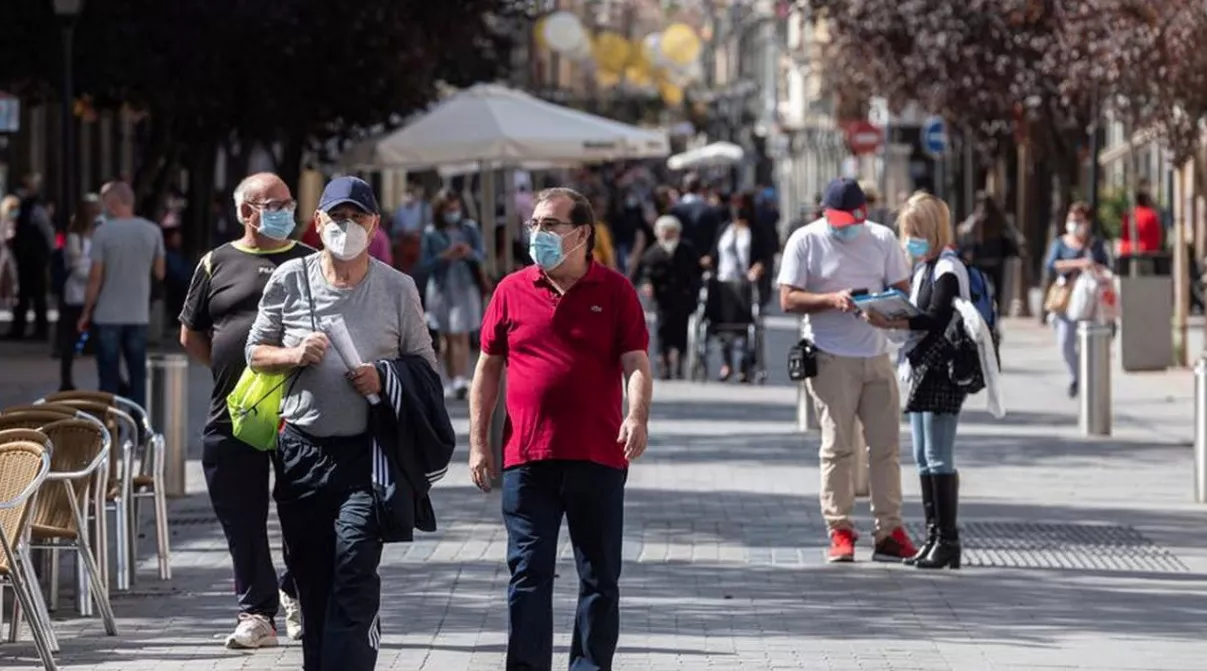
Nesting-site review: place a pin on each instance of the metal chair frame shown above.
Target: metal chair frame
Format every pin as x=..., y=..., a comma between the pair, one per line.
x=21, y=569
x=150, y=453
x=95, y=497
x=91, y=580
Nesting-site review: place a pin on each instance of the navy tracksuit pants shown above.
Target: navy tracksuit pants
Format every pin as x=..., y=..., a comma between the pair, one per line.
x=236, y=475
x=325, y=501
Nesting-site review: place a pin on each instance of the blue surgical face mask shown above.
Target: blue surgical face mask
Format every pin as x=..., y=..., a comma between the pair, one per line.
x=846, y=233
x=917, y=247
x=545, y=248
x=452, y=218
x=276, y=225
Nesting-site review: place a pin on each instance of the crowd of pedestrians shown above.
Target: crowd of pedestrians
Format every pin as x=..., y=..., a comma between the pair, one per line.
x=343, y=344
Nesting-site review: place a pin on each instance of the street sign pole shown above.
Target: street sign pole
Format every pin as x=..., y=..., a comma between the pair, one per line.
x=935, y=143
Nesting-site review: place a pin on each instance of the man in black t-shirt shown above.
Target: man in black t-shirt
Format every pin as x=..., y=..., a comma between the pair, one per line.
x=221, y=306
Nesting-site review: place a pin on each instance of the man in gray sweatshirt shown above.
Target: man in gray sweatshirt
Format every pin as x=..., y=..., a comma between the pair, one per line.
x=323, y=458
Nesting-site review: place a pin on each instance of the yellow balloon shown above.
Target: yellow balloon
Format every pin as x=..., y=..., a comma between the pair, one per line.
x=538, y=32
x=612, y=52
x=637, y=76
x=680, y=44
x=672, y=95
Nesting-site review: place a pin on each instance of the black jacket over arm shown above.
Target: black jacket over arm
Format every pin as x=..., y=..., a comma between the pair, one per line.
x=413, y=442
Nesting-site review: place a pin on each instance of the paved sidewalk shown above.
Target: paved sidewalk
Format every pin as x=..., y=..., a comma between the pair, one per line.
x=1082, y=554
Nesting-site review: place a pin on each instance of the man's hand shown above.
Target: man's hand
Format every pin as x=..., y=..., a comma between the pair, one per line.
x=482, y=467
x=842, y=301
x=83, y=323
x=365, y=379
x=878, y=320
x=755, y=272
x=634, y=436
x=705, y=261
x=311, y=350
x=648, y=290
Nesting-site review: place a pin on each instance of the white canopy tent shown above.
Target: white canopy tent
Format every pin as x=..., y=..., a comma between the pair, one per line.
x=495, y=125
x=712, y=155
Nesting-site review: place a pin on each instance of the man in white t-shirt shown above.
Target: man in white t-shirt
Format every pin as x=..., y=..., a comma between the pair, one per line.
x=824, y=264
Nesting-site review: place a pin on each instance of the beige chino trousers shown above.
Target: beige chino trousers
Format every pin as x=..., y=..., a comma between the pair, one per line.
x=844, y=390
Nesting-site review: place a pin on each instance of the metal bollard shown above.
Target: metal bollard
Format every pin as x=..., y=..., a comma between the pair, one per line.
x=1094, y=378
x=1200, y=430
x=168, y=408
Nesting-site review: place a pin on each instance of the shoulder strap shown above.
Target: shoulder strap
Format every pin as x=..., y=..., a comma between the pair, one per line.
x=314, y=324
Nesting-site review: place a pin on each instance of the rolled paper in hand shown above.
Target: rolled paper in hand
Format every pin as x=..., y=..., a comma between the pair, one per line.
x=341, y=340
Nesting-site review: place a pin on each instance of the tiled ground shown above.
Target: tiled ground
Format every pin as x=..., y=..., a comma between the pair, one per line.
x=1083, y=554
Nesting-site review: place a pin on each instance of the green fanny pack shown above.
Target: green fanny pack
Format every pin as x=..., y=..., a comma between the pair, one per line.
x=255, y=407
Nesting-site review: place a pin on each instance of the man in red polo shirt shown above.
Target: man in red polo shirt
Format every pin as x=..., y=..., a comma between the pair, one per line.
x=569, y=331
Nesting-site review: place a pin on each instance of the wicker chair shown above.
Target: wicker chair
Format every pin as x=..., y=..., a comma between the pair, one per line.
x=81, y=448
x=23, y=468
x=148, y=478
x=36, y=417
x=123, y=430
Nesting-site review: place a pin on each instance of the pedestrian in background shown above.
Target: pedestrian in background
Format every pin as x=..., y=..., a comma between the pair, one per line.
x=671, y=272
x=126, y=251
x=568, y=331
x=10, y=207
x=452, y=259
x=742, y=255
x=218, y=311
x=32, y=244
x=77, y=256
x=326, y=461
x=934, y=401
x=824, y=265
x=1075, y=252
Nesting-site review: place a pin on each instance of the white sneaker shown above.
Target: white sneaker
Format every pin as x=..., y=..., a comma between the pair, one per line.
x=293, y=617
x=460, y=387
x=253, y=631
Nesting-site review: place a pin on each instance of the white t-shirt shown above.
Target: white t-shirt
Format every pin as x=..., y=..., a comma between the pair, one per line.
x=816, y=262
x=734, y=251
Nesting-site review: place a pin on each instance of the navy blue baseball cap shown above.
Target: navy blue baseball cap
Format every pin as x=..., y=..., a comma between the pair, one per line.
x=352, y=190
x=845, y=203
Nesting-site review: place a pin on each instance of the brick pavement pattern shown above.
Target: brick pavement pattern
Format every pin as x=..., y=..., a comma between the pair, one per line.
x=1083, y=554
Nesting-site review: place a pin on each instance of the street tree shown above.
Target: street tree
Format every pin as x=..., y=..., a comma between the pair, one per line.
x=291, y=74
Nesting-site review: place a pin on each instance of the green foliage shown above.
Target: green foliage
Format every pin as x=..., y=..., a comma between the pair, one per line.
x=260, y=69
x=1113, y=204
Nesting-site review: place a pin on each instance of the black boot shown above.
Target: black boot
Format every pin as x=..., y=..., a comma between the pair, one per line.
x=946, y=551
x=928, y=509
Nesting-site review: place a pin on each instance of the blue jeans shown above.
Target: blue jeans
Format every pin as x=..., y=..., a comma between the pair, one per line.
x=535, y=497
x=115, y=342
x=934, y=441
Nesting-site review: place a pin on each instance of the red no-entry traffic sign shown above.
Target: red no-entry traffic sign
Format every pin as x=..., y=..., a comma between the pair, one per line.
x=863, y=137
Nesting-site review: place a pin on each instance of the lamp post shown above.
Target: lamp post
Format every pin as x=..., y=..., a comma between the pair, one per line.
x=67, y=11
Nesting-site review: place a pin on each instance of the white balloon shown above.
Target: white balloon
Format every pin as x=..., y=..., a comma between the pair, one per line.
x=653, y=48
x=582, y=53
x=564, y=33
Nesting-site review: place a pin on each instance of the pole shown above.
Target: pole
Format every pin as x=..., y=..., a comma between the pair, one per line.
x=1095, y=150
x=1133, y=171
x=67, y=124
x=1020, y=303
x=1200, y=431
x=969, y=183
x=1181, y=272
x=1094, y=378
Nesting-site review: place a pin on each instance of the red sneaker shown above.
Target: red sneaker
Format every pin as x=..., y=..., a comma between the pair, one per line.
x=842, y=546
x=894, y=547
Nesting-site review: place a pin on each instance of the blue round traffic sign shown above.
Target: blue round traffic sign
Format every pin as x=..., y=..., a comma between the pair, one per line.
x=934, y=136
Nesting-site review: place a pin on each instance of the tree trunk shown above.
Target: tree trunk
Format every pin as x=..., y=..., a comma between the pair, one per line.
x=198, y=227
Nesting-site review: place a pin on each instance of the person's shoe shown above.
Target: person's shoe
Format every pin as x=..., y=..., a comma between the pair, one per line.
x=460, y=388
x=1072, y=390
x=725, y=373
x=253, y=631
x=947, y=552
x=293, y=617
x=67, y=386
x=928, y=509
x=842, y=546
x=895, y=547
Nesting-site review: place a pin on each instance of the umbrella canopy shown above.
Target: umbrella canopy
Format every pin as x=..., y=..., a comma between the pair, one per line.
x=715, y=154
x=493, y=124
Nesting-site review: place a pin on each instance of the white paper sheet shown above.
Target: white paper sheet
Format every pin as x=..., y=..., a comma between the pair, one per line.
x=341, y=340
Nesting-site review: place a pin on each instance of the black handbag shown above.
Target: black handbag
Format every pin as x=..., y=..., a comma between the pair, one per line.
x=802, y=360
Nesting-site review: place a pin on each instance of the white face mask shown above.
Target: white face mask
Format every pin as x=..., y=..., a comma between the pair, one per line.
x=345, y=240
x=1073, y=227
